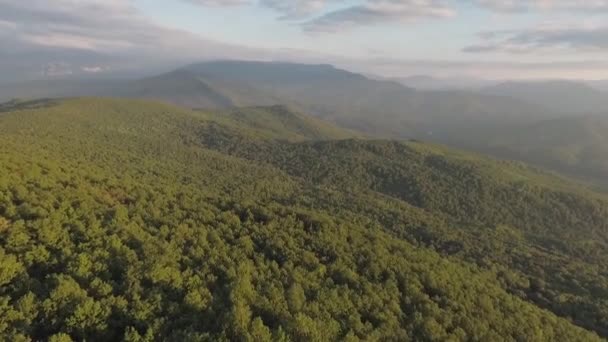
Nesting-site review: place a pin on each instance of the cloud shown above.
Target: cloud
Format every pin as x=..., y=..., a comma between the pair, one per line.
x=109, y=33
x=317, y=18
x=377, y=12
x=57, y=69
x=316, y=15
x=93, y=38
x=543, y=5
x=545, y=38
x=96, y=25
x=287, y=9
x=93, y=69
x=296, y=9
x=482, y=68
x=219, y=3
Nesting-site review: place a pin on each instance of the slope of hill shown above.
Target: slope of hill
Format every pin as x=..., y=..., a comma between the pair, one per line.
x=136, y=220
x=58, y=88
x=188, y=89
x=382, y=108
x=177, y=87
x=281, y=123
x=577, y=146
x=274, y=73
x=425, y=82
x=483, y=122
x=563, y=96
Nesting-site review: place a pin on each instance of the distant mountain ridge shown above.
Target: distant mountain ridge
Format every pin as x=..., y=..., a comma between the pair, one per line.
x=383, y=108
x=426, y=82
x=573, y=145
x=570, y=97
x=480, y=120
x=281, y=123
x=275, y=73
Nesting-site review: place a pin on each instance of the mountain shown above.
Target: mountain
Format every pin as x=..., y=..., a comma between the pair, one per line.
x=194, y=90
x=383, y=108
x=58, y=88
x=577, y=146
x=177, y=87
x=425, y=82
x=282, y=123
x=131, y=219
x=376, y=107
x=601, y=85
x=379, y=108
x=563, y=96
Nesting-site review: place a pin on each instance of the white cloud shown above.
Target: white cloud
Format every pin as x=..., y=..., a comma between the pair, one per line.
x=367, y=12
x=97, y=36
x=295, y=9
x=56, y=69
x=219, y=3
x=80, y=32
x=376, y=12
x=482, y=68
x=94, y=69
x=548, y=37
x=543, y=5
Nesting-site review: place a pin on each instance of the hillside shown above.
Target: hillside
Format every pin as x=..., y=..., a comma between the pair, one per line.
x=575, y=146
x=124, y=219
x=177, y=87
x=484, y=121
x=184, y=88
x=576, y=98
x=426, y=82
x=377, y=107
x=57, y=89
x=280, y=123
x=384, y=108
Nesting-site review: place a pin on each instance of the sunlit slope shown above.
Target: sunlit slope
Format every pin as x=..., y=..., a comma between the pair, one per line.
x=131, y=219
x=278, y=123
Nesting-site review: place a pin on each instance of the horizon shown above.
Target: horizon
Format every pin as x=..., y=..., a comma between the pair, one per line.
x=485, y=39
x=137, y=74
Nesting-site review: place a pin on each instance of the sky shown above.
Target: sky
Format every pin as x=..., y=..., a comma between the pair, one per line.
x=490, y=39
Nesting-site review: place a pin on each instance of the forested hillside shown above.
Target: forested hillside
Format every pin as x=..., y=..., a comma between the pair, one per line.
x=494, y=120
x=575, y=146
x=383, y=108
x=139, y=221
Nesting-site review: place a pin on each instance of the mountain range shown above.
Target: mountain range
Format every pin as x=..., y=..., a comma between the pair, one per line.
x=491, y=119
x=568, y=97
x=426, y=82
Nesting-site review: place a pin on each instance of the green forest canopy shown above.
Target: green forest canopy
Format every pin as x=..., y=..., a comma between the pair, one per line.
x=138, y=221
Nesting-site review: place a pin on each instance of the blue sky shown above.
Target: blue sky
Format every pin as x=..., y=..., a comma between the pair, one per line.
x=393, y=38
x=259, y=26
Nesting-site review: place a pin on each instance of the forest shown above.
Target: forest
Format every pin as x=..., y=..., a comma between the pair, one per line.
x=132, y=220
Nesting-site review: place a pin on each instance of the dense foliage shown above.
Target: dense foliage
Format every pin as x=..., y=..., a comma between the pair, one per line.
x=137, y=221
x=549, y=237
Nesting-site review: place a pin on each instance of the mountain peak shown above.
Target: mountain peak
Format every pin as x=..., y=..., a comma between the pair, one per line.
x=271, y=71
